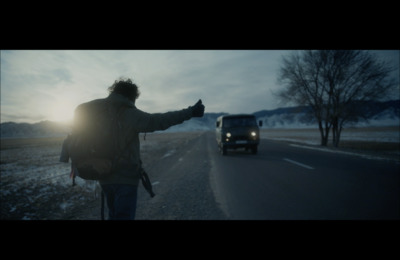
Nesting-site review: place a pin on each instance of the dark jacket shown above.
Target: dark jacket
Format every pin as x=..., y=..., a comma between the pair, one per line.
x=132, y=122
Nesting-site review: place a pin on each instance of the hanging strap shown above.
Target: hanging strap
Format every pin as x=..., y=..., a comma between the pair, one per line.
x=143, y=175
x=102, y=205
x=146, y=182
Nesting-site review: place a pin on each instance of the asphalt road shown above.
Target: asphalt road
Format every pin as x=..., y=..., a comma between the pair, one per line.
x=280, y=182
x=285, y=182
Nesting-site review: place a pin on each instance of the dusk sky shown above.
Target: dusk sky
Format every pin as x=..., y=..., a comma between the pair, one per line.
x=39, y=85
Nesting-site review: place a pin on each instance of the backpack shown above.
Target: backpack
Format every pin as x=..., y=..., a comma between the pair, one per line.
x=92, y=145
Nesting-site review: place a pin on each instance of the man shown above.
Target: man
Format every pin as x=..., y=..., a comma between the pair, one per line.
x=120, y=188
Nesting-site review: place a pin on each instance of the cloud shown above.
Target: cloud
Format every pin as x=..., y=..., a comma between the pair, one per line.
x=42, y=84
x=225, y=80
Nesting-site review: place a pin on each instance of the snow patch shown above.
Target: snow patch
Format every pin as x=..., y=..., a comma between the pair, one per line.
x=169, y=153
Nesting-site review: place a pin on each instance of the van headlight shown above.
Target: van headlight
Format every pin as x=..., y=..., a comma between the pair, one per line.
x=228, y=135
x=253, y=134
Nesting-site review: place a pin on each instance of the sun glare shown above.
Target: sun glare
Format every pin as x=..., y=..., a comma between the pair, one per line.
x=62, y=112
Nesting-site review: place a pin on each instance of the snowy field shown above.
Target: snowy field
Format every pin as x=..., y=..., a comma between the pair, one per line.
x=390, y=134
x=36, y=186
x=382, y=143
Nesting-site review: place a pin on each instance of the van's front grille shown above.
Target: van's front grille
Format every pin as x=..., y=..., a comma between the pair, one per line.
x=239, y=137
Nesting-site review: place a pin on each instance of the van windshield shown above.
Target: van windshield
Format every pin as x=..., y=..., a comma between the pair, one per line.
x=239, y=121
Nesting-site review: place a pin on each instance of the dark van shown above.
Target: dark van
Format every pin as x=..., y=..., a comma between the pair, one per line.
x=238, y=131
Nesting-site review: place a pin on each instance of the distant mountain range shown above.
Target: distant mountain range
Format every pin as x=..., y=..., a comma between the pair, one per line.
x=379, y=113
x=41, y=129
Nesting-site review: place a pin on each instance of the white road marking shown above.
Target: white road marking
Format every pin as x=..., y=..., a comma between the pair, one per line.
x=299, y=164
x=373, y=157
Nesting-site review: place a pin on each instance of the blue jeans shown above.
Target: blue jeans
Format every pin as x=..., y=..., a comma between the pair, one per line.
x=121, y=201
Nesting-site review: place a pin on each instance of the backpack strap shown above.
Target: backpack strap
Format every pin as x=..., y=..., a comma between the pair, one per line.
x=143, y=175
x=146, y=182
x=102, y=205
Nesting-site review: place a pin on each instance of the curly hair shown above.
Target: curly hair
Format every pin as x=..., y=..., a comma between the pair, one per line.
x=126, y=88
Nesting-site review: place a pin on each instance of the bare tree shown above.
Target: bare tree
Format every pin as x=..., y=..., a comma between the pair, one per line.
x=333, y=83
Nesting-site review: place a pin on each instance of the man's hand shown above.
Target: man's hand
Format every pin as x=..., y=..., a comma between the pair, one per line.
x=198, y=109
